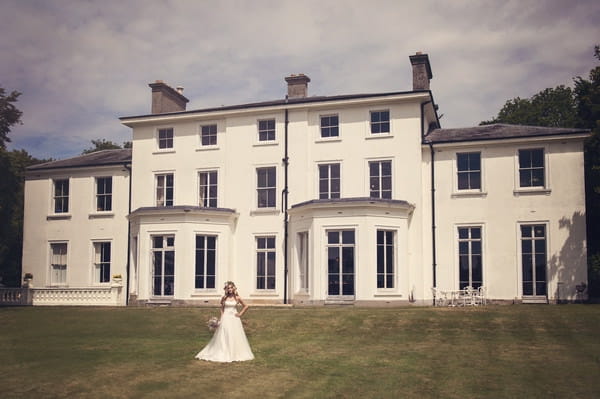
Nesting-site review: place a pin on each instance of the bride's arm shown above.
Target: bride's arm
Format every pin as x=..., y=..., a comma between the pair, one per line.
x=244, y=307
x=222, y=305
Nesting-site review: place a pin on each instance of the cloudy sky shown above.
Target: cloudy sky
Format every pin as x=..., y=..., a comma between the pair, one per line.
x=83, y=64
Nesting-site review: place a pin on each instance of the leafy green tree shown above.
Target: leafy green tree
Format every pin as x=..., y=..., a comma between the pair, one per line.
x=103, y=144
x=9, y=115
x=587, y=93
x=12, y=172
x=564, y=107
x=550, y=107
x=13, y=165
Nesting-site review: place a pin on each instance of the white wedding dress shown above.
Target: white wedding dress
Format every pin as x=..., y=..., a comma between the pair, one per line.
x=229, y=342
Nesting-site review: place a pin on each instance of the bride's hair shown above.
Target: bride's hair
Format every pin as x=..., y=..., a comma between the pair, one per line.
x=227, y=284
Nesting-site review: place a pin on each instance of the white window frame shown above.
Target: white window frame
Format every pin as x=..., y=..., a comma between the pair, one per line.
x=199, y=187
x=217, y=133
x=216, y=237
x=265, y=251
x=518, y=239
x=156, y=199
x=545, y=189
x=329, y=115
x=456, y=192
x=56, y=197
x=159, y=140
x=318, y=189
x=467, y=171
x=394, y=260
x=326, y=245
x=105, y=195
x=164, y=249
x=258, y=131
x=368, y=176
x=458, y=240
x=97, y=261
x=369, y=123
x=58, y=277
x=256, y=188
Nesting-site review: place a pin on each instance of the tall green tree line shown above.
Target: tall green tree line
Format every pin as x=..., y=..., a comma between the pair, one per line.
x=12, y=177
x=578, y=107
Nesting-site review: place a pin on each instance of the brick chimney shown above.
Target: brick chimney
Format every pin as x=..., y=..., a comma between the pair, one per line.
x=421, y=71
x=167, y=99
x=297, y=85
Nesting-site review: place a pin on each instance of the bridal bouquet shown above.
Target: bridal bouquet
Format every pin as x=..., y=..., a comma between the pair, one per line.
x=212, y=324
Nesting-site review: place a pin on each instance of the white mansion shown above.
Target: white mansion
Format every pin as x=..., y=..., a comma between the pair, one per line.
x=358, y=199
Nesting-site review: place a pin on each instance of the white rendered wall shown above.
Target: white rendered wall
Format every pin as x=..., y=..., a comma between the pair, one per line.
x=503, y=207
x=79, y=228
x=238, y=154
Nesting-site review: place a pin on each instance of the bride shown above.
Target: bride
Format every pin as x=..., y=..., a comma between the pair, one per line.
x=229, y=342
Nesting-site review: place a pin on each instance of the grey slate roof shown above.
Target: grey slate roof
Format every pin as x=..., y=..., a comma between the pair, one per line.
x=495, y=132
x=98, y=158
x=289, y=101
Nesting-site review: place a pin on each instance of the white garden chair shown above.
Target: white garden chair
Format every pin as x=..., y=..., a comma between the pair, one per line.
x=467, y=296
x=441, y=297
x=479, y=296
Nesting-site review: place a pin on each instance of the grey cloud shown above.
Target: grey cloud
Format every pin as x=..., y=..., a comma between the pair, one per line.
x=81, y=65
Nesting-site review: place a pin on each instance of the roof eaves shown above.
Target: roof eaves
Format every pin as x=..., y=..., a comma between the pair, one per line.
x=561, y=132
x=276, y=103
x=98, y=158
x=88, y=165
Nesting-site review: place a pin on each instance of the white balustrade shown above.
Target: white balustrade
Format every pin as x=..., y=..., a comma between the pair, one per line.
x=78, y=296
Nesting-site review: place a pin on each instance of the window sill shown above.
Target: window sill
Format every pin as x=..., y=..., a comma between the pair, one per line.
x=387, y=295
x=208, y=148
x=469, y=194
x=265, y=294
x=202, y=294
x=266, y=144
x=166, y=151
x=532, y=191
x=264, y=211
x=328, y=140
x=59, y=216
x=373, y=136
x=99, y=215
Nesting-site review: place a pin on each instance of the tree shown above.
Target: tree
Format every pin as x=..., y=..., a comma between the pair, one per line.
x=9, y=115
x=103, y=144
x=564, y=107
x=12, y=172
x=13, y=165
x=550, y=107
x=587, y=93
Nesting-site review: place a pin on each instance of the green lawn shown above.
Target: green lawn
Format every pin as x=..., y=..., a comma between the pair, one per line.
x=519, y=351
